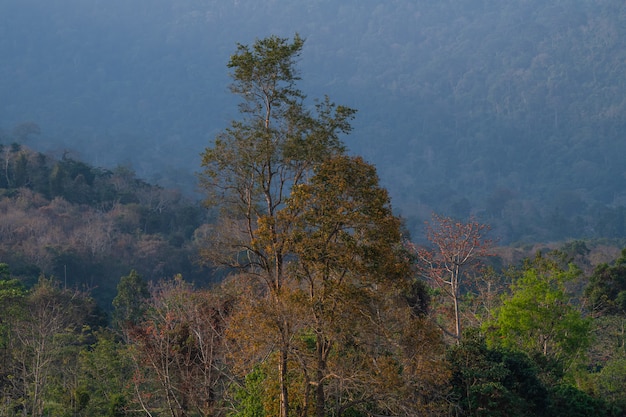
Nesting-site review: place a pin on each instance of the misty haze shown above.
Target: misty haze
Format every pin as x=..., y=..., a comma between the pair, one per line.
x=511, y=111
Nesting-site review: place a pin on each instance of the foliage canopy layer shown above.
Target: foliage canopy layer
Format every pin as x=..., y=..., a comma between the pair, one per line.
x=314, y=245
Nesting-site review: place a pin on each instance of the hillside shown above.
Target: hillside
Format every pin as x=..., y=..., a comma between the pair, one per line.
x=88, y=226
x=325, y=303
x=511, y=111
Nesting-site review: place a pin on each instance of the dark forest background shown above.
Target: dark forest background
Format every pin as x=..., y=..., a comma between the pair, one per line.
x=511, y=111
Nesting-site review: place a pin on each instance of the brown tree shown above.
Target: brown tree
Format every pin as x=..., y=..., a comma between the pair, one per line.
x=457, y=249
x=347, y=244
x=177, y=351
x=347, y=303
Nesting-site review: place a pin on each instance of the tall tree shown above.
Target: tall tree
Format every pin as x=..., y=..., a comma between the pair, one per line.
x=250, y=168
x=458, y=248
x=357, y=341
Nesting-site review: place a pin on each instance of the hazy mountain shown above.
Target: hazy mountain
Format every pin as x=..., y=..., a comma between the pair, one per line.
x=514, y=111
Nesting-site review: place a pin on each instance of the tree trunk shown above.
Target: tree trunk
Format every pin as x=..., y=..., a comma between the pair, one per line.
x=454, y=280
x=320, y=397
x=457, y=319
x=282, y=379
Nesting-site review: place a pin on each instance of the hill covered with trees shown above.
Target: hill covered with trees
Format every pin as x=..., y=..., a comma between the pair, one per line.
x=88, y=226
x=511, y=111
x=326, y=305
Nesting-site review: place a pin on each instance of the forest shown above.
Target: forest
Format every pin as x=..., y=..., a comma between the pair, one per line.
x=292, y=289
x=509, y=110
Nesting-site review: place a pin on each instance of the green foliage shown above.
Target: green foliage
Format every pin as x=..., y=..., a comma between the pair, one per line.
x=248, y=398
x=494, y=382
x=417, y=297
x=12, y=300
x=10, y=288
x=105, y=369
x=73, y=180
x=537, y=317
x=130, y=302
x=606, y=291
x=118, y=407
x=610, y=382
x=266, y=76
x=567, y=400
x=43, y=344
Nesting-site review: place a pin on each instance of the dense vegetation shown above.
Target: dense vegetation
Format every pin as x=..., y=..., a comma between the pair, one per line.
x=87, y=226
x=327, y=306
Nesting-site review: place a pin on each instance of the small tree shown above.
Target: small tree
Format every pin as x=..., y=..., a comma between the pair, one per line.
x=537, y=317
x=494, y=382
x=12, y=303
x=457, y=249
x=104, y=371
x=130, y=302
x=43, y=341
x=177, y=351
x=606, y=291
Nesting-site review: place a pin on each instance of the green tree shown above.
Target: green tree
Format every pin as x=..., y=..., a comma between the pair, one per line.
x=605, y=296
x=130, y=302
x=610, y=382
x=606, y=291
x=248, y=397
x=12, y=295
x=537, y=317
x=494, y=382
x=567, y=400
x=12, y=291
x=250, y=168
